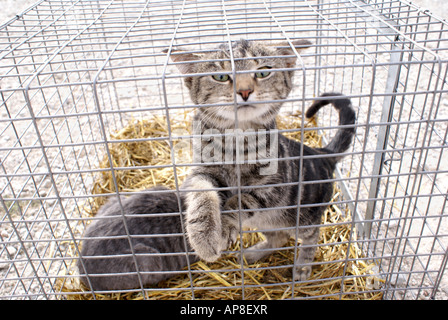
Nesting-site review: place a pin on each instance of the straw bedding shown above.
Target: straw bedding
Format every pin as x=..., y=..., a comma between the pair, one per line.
x=335, y=276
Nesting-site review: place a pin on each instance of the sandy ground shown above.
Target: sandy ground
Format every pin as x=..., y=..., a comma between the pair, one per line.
x=10, y=8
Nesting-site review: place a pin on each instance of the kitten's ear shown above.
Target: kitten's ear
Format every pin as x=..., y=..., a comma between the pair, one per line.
x=283, y=48
x=182, y=56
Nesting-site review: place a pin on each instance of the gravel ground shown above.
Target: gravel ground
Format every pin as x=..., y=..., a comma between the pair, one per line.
x=12, y=7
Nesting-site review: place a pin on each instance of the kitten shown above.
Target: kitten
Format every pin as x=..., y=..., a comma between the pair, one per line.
x=212, y=199
x=122, y=268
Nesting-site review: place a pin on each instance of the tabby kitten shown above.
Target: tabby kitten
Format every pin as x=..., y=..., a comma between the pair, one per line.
x=214, y=207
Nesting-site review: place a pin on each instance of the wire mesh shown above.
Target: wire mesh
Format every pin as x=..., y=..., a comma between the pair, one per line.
x=74, y=73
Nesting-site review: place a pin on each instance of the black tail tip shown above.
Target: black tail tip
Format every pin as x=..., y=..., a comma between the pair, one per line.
x=317, y=104
x=311, y=111
x=335, y=98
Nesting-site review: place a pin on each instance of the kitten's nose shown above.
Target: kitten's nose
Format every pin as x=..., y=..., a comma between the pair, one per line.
x=245, y=93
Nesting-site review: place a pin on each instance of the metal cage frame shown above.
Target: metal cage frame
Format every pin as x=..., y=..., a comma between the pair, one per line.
x=72, y=72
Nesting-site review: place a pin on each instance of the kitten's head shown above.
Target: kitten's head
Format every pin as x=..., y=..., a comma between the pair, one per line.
x=256, y=82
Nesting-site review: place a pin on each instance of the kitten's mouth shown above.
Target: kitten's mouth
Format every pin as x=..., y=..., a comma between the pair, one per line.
x=245, y=106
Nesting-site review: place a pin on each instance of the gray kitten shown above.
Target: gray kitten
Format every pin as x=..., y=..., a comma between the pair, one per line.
x=215, y=209
x=142, y=221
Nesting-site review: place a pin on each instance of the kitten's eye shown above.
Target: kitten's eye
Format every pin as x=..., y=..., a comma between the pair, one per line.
x=263, y=73
x=221, y=77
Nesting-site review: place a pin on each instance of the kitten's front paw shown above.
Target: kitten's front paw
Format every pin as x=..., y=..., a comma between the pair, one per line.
x=302, y=273
x=206, y=243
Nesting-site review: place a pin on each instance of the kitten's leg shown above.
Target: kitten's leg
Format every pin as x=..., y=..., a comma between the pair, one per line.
x=309, y=236
x=230, y=220
x=150, y=263
x=119, y=266
x=274, y=241
x=203, y=219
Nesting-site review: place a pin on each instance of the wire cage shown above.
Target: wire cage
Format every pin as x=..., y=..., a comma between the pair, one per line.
x=76, y=73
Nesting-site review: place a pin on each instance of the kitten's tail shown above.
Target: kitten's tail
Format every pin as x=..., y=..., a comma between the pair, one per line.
x=343, y=138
